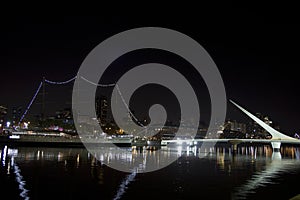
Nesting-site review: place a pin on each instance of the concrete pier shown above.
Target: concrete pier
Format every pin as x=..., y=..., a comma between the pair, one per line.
x=276, y=146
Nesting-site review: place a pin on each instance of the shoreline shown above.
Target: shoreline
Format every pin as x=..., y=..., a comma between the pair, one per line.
x=49, y=141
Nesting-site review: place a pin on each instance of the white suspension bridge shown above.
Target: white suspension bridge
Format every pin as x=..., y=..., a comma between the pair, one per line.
x=277, y=137
x=46, y=81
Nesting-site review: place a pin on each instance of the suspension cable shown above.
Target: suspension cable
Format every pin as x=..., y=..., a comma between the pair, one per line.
x=60, y=83
x=127, y=107
x=32, y=100
x=72, y=79
x=96, y=84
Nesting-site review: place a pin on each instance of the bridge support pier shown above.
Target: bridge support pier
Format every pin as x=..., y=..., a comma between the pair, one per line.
x=234, y=145
x=276, y=146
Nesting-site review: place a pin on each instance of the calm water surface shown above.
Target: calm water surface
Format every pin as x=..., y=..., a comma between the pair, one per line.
x=254, y=172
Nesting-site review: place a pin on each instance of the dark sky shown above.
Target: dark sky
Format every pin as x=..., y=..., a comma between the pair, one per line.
x=256, y=51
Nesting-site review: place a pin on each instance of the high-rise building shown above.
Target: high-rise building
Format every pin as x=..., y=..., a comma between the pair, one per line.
x=103, y=110
x=16, y=114
x=3, y=112
x=233, y=129
x=255, y=130
x=233, y=125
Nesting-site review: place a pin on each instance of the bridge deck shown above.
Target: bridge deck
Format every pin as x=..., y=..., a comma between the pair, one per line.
x=192, y=141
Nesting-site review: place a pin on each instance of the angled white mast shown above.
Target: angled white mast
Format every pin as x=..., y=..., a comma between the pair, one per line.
x=276, y=135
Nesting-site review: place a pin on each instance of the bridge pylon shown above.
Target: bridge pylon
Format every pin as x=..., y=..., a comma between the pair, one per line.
x=276, y=135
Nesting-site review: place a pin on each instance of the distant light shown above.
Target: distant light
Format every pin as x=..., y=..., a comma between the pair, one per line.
x=7, y=124
x=25, y=125
x=179, y=142
x=14, y=137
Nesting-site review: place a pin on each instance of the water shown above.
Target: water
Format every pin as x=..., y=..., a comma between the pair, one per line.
x=255, y=172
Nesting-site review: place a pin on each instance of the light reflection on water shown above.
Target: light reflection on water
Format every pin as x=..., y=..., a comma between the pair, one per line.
x=272, y=170
x=255, y=166
x=11, y=165
x=274, y=165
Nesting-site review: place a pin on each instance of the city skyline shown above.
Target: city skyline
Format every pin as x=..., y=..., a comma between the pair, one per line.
x=257, y=60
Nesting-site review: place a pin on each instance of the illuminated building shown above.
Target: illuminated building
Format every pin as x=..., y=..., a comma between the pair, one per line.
x=3, y=112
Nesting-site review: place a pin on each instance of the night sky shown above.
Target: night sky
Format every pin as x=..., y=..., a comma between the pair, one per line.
x=255, y=50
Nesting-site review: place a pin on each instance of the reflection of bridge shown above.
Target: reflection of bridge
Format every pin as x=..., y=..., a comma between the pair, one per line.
x=277, y=137
x=273, y=169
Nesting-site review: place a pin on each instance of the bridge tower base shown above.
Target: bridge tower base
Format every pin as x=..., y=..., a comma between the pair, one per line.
x=276, y=146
